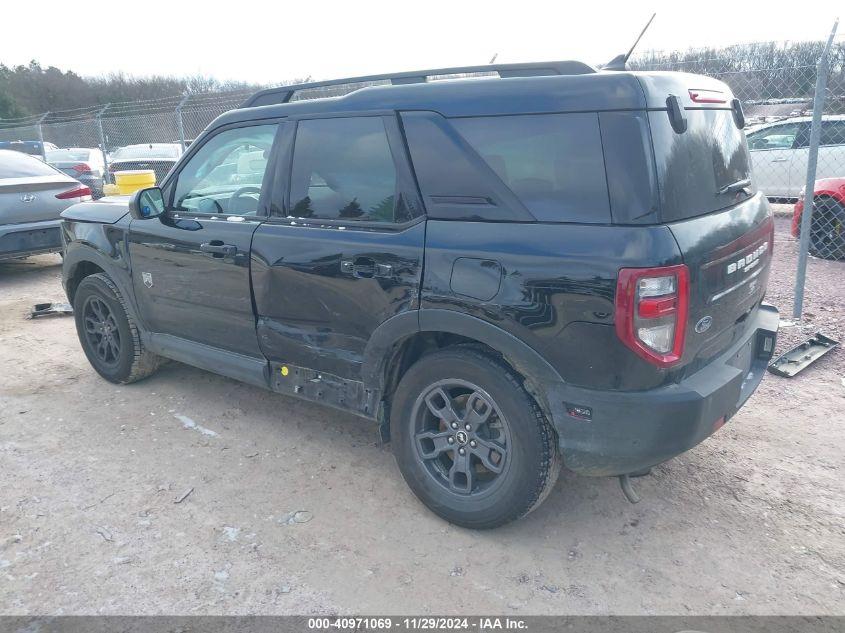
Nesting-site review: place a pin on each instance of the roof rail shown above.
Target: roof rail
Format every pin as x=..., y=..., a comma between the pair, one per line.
x=283, y=94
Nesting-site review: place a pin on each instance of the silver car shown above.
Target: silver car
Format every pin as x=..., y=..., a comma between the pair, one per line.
x=32, y=195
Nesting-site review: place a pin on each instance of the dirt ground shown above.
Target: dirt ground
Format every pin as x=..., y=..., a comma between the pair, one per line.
x=189, y=493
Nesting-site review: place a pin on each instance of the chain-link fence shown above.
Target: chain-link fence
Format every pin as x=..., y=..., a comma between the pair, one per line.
x=781, y=86
x=142, y=134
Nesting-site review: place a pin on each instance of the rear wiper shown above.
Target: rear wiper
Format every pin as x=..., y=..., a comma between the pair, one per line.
x=739, y=185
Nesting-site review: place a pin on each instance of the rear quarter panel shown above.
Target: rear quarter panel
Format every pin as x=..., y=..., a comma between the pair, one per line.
x=555, y=292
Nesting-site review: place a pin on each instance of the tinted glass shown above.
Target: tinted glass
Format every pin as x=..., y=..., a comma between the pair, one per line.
x=552, y=162
x=833, y=133
x=18, y=165
x=225, y=174
x=343, y=169
x=693, y=168
x=777, y=137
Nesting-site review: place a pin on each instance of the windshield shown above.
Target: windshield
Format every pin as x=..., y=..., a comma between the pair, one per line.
x=154, y=150
x=702, y=169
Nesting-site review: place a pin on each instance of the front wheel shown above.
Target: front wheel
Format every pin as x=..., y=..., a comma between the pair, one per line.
x=108, y=334
x=470, y=441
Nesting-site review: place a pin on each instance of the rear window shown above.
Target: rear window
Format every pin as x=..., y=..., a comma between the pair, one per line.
x=67, y=154
x=17, y=165
x=695, y=166
x=146, y=151
x=552, y=162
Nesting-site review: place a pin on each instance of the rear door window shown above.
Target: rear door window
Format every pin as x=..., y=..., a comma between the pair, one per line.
x=833, y=133
x=552, y=162
x=343, y=169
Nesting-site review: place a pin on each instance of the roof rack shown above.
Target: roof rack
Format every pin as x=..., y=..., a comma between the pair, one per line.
x=283, y=94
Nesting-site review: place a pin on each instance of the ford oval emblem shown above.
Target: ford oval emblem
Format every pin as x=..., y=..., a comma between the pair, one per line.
x=703, y=324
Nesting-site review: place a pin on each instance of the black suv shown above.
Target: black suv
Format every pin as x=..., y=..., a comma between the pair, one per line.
x=554, y=266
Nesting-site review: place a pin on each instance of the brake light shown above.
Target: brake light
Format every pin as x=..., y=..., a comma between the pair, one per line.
x=652, y=305
x=82, y=168
x=77, y=192
x=707, y=96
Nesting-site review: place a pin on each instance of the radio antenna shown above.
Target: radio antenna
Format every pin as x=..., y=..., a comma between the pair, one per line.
x=619, y=62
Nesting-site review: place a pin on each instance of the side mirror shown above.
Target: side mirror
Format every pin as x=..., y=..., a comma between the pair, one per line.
x=146, y=203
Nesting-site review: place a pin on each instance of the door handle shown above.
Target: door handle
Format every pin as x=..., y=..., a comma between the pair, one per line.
x=779, y=160
x=218, y=248
x=365, y=268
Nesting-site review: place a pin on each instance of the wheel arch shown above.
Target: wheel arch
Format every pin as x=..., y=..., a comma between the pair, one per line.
x=403, y=339
x=82, y=260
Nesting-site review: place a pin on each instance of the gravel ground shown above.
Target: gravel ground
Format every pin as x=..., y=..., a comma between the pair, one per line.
x=190, y=493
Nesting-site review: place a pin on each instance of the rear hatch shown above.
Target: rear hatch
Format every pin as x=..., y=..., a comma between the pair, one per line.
x=35, y=198
x=722, y=224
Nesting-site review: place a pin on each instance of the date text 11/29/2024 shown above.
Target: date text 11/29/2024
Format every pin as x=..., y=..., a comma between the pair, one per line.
x=431, y=623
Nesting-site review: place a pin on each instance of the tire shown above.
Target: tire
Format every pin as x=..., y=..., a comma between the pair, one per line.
x=108, y=334
x=827, y=235
x=510, y=460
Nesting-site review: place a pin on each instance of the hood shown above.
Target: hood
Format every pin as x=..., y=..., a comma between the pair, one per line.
x=106, y=210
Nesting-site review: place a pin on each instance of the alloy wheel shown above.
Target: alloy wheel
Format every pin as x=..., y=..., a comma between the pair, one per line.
x=101, y=330
x=461, y=437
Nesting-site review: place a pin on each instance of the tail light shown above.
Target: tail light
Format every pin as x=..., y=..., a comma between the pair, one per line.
x=77, y=192
x=82, y=168
x=652, y=305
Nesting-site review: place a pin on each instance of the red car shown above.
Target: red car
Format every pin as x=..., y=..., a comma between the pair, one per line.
x=827, y=237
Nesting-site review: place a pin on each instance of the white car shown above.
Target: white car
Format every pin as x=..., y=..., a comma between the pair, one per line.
x=779, y=154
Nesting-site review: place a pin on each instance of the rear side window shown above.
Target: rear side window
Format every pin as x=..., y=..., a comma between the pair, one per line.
x=343, y=170
x=552, y=162
x=18, y=165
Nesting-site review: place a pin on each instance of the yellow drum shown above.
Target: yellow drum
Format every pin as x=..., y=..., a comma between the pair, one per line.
x=131, y=180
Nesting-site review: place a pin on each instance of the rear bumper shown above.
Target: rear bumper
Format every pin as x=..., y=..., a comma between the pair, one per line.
x=632, y=431
x=30, y=238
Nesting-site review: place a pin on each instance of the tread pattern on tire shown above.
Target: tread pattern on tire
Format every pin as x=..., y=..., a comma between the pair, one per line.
x=550, y=463
x=144, y=362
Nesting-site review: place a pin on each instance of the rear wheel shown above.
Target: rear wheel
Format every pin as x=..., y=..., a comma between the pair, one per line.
x=470, y=441
x=827, y=235
x=108, y=335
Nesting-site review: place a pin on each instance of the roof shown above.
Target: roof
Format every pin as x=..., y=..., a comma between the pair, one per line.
x=550, y=91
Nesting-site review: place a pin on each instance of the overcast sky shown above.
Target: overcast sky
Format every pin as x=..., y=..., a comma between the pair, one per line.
x=270, y=41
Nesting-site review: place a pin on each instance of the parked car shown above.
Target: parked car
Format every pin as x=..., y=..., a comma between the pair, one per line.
x=779, y=154
x=159, y=157
x=85, y=164
x=595, y=259
x=33, y=148
x=32, y=195
x=827, y=232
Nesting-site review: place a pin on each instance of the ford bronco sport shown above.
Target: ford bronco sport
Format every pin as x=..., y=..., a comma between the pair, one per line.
x=557, y=266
